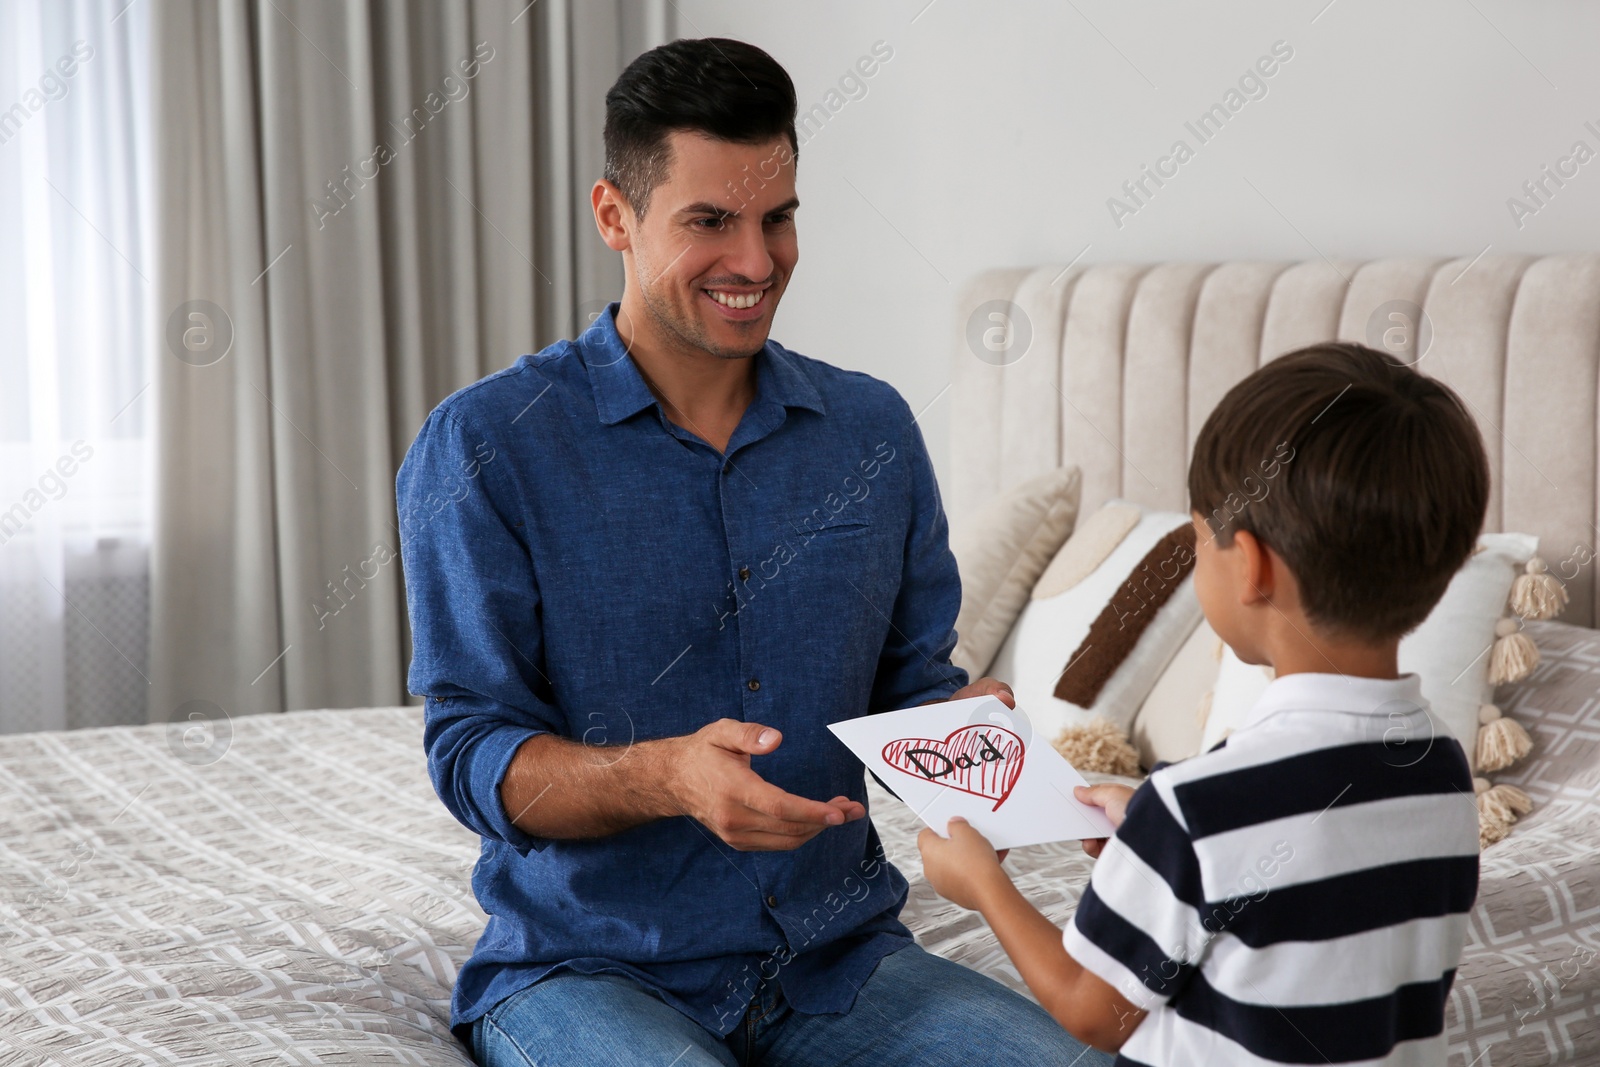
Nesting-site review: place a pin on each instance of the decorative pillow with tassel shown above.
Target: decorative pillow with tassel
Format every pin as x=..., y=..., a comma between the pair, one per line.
x=1104, y=620
x=1536, y=594
x=1469, y=643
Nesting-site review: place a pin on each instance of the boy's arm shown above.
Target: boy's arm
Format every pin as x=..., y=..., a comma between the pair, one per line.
x=1085, y=1005
x=963, y=868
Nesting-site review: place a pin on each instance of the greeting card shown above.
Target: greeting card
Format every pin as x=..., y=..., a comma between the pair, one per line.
x=978, y=759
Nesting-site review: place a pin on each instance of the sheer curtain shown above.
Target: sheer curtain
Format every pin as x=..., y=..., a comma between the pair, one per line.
x=74, y=364
x=373, y=205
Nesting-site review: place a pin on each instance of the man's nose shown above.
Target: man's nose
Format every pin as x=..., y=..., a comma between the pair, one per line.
x=749, y=256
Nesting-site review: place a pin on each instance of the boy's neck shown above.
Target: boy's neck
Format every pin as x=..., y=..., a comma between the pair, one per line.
x=1303, y=653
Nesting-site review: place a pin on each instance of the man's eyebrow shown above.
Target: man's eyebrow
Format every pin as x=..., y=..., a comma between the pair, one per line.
x=705, y=207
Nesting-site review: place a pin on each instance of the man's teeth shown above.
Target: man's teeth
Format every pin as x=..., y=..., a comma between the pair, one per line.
x=736, y=300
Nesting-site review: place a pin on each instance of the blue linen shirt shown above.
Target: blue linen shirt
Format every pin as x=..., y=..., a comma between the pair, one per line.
x=578, y=564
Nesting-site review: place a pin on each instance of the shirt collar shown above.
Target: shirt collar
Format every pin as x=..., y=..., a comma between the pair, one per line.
x=1314, y=691
x=620, y=390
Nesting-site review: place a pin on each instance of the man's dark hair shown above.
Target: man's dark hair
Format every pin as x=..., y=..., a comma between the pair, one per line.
x=1369, y=479
x=728, y=89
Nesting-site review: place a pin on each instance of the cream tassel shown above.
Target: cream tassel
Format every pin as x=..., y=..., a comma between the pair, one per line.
x=1203, y=712
x=1499, y=807
x=1513, y=656
x=1216, y=650
x=1501, y=741
x=1098, y=745
x=1538, y=594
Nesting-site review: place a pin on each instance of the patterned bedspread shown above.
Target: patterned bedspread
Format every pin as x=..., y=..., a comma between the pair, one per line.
x=296, y=894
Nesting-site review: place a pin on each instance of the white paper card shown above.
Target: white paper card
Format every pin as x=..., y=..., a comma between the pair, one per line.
x=978, y=759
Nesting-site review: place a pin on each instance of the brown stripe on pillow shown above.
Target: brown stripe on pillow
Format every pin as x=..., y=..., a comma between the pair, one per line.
x=1133, y=606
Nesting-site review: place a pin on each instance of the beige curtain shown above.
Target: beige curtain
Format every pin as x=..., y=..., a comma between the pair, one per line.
x=361, y=207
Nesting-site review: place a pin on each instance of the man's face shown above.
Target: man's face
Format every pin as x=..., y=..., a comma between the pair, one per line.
x=717, y=244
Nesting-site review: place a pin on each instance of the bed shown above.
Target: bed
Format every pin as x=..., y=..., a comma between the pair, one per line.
x=288, y=889
x=305, y=899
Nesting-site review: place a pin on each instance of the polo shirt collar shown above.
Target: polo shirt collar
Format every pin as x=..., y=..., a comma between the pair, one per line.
x=1314, y=691
x=620, y=391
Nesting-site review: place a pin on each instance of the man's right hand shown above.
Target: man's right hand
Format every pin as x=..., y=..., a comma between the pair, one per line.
x=710, y=780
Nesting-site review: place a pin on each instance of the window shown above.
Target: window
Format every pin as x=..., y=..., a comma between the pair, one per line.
x=75, y=364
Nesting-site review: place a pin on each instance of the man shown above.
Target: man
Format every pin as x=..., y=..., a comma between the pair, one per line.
x=645, y=569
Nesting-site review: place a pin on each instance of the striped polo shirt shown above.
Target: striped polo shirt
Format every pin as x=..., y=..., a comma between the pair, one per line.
x=1297, y=894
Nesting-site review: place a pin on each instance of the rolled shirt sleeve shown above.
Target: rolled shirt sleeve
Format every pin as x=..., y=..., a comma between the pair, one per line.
x=914, y=666
x=473, y=601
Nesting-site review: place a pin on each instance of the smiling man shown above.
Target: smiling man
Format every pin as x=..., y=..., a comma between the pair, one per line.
x=645, y=569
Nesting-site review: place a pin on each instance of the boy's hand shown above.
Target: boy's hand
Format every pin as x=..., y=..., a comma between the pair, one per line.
x=1110, y=797
x=963, y=867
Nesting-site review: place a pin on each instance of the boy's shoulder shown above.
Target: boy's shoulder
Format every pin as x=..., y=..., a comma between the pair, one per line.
x=1321, y=769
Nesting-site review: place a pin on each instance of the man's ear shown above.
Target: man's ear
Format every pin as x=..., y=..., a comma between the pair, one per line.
x=1257, y=572
x=613, y=216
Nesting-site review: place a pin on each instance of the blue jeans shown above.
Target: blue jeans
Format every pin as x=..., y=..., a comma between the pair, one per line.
x=915, y=1008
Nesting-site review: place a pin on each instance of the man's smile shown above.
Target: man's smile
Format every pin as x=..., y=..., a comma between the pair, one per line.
x=740, y=305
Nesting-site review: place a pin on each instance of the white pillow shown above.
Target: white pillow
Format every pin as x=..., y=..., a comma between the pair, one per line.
x=1239, y=686
x=1051, y=629
x=1449, y=651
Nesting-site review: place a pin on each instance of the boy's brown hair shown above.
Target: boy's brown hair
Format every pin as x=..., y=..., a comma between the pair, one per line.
x=1369, y=479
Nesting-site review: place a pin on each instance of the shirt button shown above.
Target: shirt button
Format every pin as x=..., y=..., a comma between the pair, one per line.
x=744, y=574
x=753, y=684
x=772, y=902
x=727, y=468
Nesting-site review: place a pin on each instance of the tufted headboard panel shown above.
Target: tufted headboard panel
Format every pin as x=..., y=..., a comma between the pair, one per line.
x=1114, y=368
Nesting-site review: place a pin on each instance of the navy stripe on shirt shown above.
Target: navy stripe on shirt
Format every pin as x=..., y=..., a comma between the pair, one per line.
x=1359, y=901
x=1296, y=785
x=1164, y=846
x=1321, y=1033
x=1131, y=947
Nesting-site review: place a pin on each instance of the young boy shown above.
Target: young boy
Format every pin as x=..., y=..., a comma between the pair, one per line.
x=1299, y=893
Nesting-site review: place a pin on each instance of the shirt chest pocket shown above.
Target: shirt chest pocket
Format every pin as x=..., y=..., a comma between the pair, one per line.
x=799, y=540
x=837, y=560
x=840, y=527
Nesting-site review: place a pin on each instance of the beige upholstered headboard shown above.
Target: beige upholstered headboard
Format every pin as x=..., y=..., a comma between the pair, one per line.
x=1115, y=367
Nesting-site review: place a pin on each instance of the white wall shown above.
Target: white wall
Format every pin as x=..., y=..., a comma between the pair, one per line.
x=998, y=130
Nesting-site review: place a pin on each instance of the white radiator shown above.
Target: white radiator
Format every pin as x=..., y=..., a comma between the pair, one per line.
x=74, y=646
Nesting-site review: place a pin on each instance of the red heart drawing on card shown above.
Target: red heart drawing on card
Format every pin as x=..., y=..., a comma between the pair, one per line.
x=980, y=759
